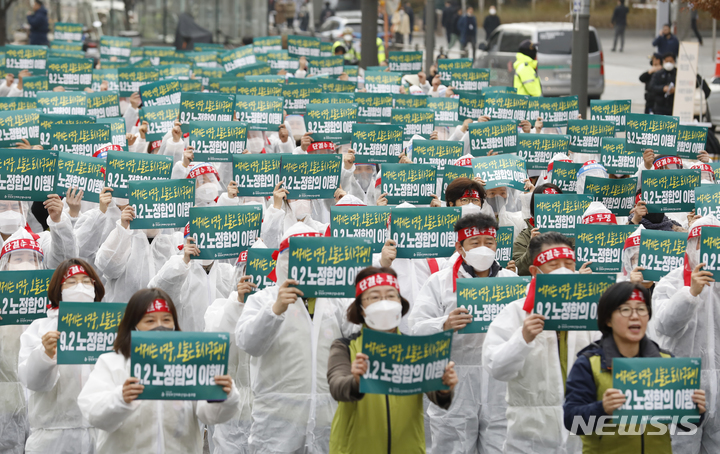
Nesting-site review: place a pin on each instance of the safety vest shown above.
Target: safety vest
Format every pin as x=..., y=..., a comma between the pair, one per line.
x=381, y=50
x=526, y=81
x=350, y=52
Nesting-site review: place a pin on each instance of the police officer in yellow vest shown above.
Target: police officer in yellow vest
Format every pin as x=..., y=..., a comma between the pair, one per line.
x=345, y=46
x=525, y=79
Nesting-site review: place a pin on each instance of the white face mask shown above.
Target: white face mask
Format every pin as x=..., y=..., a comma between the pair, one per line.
x=364, y=179
x=668, y=66
x=22, y=266
x=152, y=233
x=80, y=293
x=281, y=267
x=383, y=315
x=11, y=221
x=347, y=38
x=205, y=262
x=121, y=202
x=206, y=193
x=255, y=145
x=481, y=258
x=562, y=270
x=469, y=209
x=693, y=254
x=301, y=209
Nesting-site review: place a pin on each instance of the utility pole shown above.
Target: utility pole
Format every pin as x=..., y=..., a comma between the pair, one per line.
x=580, y=48
x=429, y=35
x=368, y=44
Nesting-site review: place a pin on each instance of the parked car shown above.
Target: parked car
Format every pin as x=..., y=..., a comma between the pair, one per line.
x=554, y=41
x=332, y=29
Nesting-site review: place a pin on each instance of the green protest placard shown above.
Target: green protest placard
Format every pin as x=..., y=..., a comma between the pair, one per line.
x=69, y=54
x=658, y=390
x=66, y=31
x=326, y=49
x=405, y=62
x=188, y=85
x=570, y=302
x=618, y=195
x=256, y=174
x=331, y=122
x=265, y=44
x=564, y=176
x=453, y=172
x=337, y=86
x=237, y=58
x=404, y=365
x=416, y=121
x=501, y=170
x=691, y=140
x=601, y=245
x=130, y=79
x=258, y=88
x=87, y=330
x=332, y=98
x=616, y=158
x=124, y=167
x=424, y=232
x=71, y=46
x=82, y=172
x=110, y=76
x=326, y=267
x=351, y=71
x=17, y=103
x=377, y=143
x=207, y=59
x=585, y=135
x=303, y=46
x=665, y=191
x=103, y=104
x=63, y=103
x=217, y=141
x=259, y=72
x=373, y=107
x=19, y=124
x=79, y=139
x=204, y=74
x=500, y=136
x=161, y=204
x=538, y=149
x=437, y=152
x=555, y=112
x=261, y=113
x=117, y=132
x=70, y=73
x=446, y=111
x=411, y=183
x=657, y=132
x=136, y=54
x=179, y=365
x=27, y=175
x=311, y=176
x=661, y=252
x=504, y=240
x=173, y=72
x=332, y=66
x=281, y=59
x=160, y=93
x=560, y=212
x=223, y=232
x=382, y=82
x=205, y=107
x=31, y=58
x=160, y=120
x=710, y=250
x=470, y=105
x=297, y=97
x=446, y=67
x=505, y=106
x=471, y=79
x=34, y=84
x=155, y=53
x=47, y=121
x=115, y=46
x=361, y=222
x=225, y=86
x=23, y=296
x=109, y=64
x=707, y=200
x=614, y=111
x=484, y=298
x=218, y=47
x=409, y=101
x=259, y=264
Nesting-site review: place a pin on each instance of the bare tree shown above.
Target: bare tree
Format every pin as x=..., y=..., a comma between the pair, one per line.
x=711, y=6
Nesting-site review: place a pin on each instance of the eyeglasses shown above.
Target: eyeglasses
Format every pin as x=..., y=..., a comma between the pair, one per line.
x=626, y=311
x=376, y=298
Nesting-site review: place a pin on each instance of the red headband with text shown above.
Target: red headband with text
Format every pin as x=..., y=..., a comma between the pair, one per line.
x=470, y=194
x=74, y=271
x=598, y=218
x=637, y=296
x=158, y=305
x=464, y=234
x=376, y=280
x=667, y=160
x=554, y=254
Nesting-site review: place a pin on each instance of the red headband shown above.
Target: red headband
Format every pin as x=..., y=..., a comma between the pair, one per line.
x=376, y=280
x=202, y=169
x=599, y=217
x=286, y=242
x=696, y=230
x=464, y=234
x=471, y=193
x=463, y=162
x=315, y=146
x=637, y=296
x=242, y=258
x=22, y=243
x=703, y=167
x=158, y=305
x=667, y=160
x=550, y=191
x=155, y=144
x=554, y=254
x=632, y=241
x=74, y=271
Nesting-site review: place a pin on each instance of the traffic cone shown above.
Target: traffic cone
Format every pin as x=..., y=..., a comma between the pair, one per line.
x=717, y=64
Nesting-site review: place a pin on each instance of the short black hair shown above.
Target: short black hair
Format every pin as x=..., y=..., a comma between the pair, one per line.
x=479, y=220
x=458, y=186
x=669, y=54
x=539, y=190
x=545, y=239
x=613, y=297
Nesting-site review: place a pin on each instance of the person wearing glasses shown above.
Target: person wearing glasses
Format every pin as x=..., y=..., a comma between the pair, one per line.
x=624, y=311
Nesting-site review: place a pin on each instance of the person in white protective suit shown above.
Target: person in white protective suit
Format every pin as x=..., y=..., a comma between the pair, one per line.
x=533, y=362
x=109, y=398
x=630, y=269
x=94, y=225
x=597, y=214
x=589, y=169
x=57, y=425
x=222, y=316
x=18, y=254
x=289, y=338
x=207, y=182
x=686, y=322
x=707, y=174
x=476, y=418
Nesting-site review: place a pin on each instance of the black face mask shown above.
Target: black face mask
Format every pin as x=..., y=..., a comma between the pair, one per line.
x=161, y=328
x=655, y=218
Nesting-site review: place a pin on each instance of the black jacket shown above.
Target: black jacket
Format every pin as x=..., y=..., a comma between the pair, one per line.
x=449, y=17
x=619, y=16
x=38, y=26
x=490, y=23
x=663, y=104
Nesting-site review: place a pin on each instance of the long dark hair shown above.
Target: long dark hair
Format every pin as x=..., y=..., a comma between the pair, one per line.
x=354, y=311
x=55, y=287
x=134, y=312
